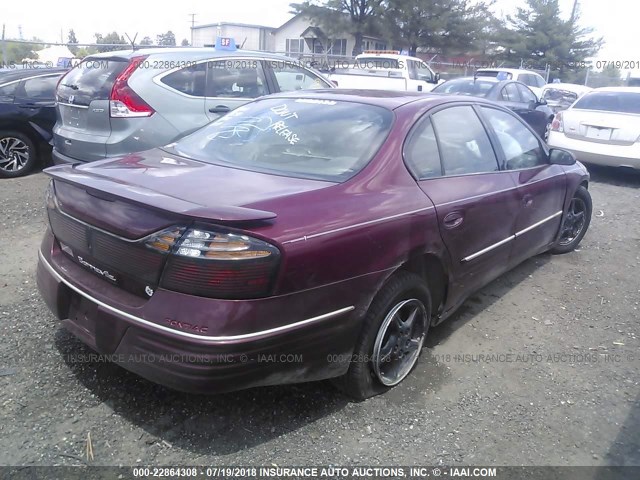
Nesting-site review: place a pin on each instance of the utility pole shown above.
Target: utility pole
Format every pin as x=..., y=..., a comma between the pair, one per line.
x=574, y=10
x=4, y=48
x=193, y=24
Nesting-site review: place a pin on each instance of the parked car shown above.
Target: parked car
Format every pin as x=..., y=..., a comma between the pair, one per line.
x=510, y=93
x=383, y=70
x=27, y=116
x=304, y=236
x=116, y=103
x=560, y=96
x=602, y=127
x=531, y=79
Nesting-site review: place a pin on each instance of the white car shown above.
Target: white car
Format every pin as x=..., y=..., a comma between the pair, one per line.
x=560, y=96
x=531, y=79
x=386, y=70
x=602, y=127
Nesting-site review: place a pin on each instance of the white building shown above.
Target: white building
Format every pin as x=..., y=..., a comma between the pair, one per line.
x=299, y=36
x=249, y=37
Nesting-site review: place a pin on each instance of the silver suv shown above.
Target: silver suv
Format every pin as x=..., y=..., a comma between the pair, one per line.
x=121, y=102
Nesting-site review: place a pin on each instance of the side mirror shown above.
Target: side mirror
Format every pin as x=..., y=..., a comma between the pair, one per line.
x=436, y=77
x=542, y=101
x=558, y=156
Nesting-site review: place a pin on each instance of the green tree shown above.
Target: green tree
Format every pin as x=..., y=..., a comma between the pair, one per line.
x=440, y=25
x=19, y=51
x=109, y=40
x=146, y=41
x=72, y=42
x=357, y=17
x=168, y=39
x=185, y=42
x=536, y=36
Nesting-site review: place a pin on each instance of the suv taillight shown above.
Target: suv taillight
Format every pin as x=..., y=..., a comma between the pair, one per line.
x=556, y=124
x=221, y=264
x=124, y=102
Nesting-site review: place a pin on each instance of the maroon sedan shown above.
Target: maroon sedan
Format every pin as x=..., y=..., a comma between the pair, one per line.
x=303, y=236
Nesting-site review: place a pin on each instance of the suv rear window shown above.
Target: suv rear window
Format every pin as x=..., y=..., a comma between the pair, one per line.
x=304, y=137
x=622, y=102
x=91, y=80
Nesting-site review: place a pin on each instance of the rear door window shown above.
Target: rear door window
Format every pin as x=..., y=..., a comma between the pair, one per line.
x=90, y=80
x=242, y=78
x=190, y=80
x=510, y=93
x=526, y=94
x=464, y=144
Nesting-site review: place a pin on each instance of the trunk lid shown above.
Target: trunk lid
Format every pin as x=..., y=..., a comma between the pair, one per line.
x=113, y=194
x=601, y=127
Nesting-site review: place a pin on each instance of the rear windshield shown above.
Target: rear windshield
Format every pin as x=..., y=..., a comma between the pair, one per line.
x=91, y=80
x=622, y=102
x=304, y=138
x=467, y=86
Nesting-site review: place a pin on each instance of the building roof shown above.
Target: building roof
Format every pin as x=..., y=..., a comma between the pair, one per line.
x=233, y=24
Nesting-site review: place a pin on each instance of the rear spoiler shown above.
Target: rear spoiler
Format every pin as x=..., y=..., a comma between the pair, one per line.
x=106, y=188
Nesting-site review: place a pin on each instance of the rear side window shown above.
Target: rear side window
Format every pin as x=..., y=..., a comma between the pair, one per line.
x=421, y=152
x=190, y=80
x=235, y=79
x=8, y=90
x=41, y=88
x=622, y=102
x=464, y=144
x=292, y=77
x=90, y=80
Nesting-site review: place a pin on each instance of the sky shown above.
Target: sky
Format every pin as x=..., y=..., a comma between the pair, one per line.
x=615, y=20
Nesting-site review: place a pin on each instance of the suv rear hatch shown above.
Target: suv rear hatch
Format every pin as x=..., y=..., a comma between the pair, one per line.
x=83, y=96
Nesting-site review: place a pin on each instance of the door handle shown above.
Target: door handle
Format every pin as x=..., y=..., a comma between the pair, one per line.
x=527, y=200
x=222, y=109
x=453, y=220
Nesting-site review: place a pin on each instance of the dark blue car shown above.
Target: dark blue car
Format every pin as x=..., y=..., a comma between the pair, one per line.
x=510, y=93
x=27, y=116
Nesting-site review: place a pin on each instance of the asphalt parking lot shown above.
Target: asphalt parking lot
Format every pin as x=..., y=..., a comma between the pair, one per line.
x=542, y=367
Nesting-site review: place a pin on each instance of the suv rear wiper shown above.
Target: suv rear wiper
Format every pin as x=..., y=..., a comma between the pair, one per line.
x=72, y=87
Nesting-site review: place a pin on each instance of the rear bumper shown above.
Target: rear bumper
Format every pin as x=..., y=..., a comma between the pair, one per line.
x=598, y=153
x=60, y=159
x=310, y=346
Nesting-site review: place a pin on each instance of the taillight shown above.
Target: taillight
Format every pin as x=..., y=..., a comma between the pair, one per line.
x=124, y=102
x=556, y=124
x=221, y=264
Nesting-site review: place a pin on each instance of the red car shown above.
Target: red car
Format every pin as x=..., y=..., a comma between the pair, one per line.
x=303, y=236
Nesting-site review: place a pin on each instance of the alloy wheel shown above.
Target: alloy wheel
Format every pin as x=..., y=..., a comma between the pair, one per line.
x=14, y=154
x=574, y=221
x=399, y=341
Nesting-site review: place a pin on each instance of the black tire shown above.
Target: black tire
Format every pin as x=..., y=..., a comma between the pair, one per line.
x=572, y=230
x=12, y=159
x=361, y=380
